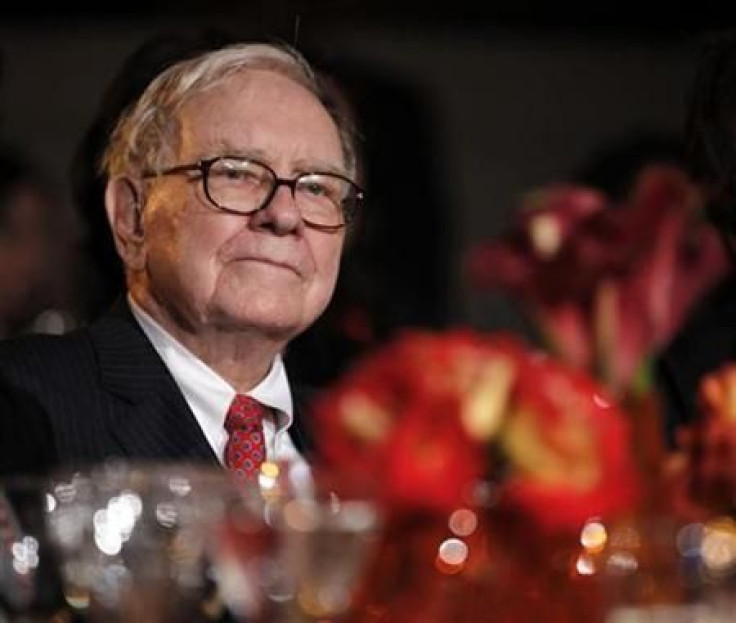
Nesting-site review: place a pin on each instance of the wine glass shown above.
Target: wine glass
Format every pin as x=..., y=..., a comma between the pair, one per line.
x=134, y=539
x=303, y=561
x=30, y=587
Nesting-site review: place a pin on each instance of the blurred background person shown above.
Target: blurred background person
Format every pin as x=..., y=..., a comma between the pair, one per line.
x=36, y=240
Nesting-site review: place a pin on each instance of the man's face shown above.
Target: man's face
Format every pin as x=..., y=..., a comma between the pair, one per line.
x=266, y=272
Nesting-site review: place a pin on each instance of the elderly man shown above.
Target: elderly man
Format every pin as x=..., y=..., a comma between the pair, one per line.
x=230, y=183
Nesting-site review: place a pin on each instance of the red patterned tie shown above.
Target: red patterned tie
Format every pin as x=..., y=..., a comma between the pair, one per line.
x=246, y=447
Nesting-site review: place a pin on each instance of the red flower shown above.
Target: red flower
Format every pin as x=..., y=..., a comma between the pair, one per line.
x=432, y=461
x=523, y=260
x=568, y=445
x=608, y=285
x=400, y=414
x=432, y=414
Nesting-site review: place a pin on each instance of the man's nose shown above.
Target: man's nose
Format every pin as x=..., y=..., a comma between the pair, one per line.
x=281, y=213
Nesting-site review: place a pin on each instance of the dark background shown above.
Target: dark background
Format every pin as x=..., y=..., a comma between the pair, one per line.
x=621, y=16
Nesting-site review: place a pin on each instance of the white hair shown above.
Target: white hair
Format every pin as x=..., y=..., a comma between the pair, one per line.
x=144, y=137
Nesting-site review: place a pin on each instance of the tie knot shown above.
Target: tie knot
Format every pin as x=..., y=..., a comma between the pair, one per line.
x=244, y=413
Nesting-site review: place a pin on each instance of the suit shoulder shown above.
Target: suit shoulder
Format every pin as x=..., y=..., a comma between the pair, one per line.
x=45, y=357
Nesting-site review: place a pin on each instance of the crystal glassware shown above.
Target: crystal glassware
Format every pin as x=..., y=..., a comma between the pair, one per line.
x=30, y=587
x=303, y=562
x=134, y=539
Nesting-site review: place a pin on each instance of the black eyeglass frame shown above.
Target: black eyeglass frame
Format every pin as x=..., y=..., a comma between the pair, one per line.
x=204, y=166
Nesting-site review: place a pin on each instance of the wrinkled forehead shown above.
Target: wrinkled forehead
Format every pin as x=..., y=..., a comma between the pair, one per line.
x=240, y=113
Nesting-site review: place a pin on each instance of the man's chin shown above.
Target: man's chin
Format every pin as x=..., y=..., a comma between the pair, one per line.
x=272, y=326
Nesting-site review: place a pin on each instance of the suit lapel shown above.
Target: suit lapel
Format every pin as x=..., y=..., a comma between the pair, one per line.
x=300, y=431
x=149, y=416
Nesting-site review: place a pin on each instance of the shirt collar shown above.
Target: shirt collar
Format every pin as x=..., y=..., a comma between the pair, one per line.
x=205, y=390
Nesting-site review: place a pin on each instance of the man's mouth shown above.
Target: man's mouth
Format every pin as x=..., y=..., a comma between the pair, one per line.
x=267, y=261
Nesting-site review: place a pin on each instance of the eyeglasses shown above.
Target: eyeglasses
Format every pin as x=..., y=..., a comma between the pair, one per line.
x=326, y=201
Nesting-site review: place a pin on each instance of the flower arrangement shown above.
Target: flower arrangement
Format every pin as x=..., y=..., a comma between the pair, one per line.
x=563, y=430
x=607, y=285
x=436, y=412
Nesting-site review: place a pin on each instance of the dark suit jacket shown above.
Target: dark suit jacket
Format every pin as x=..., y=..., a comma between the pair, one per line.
x=97, y=393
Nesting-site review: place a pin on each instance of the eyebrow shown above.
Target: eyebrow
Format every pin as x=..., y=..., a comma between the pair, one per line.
x=306, y=166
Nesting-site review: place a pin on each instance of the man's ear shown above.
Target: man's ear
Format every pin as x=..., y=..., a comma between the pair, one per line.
x=124, y=213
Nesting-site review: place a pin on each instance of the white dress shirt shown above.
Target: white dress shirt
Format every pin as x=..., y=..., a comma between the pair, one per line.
x=209, y=395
